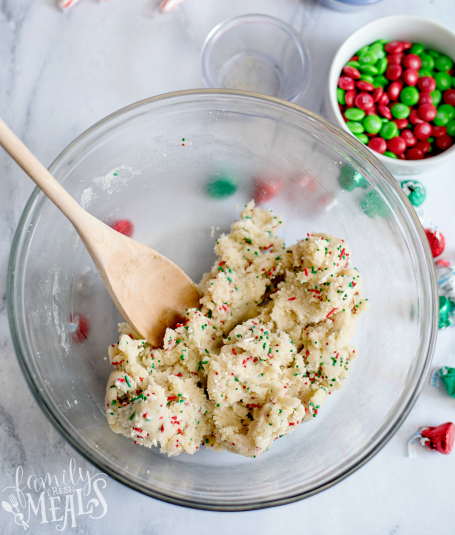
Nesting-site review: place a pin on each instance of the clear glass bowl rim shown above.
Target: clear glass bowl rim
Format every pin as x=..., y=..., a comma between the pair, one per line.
x=428, y=287
x=228, y=24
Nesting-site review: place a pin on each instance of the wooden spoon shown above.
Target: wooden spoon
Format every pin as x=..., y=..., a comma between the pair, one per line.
x=150, y=291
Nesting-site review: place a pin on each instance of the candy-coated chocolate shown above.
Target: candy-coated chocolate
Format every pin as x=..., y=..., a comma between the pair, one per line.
x=124, y=226
x=409, y=137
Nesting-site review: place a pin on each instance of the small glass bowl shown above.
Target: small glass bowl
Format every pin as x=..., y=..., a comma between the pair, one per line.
x=256, y=53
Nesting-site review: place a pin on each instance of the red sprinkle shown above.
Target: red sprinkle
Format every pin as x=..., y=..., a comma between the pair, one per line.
x=331, y=312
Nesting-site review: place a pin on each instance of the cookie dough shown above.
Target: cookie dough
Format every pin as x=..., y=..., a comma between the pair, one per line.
x=269, y=343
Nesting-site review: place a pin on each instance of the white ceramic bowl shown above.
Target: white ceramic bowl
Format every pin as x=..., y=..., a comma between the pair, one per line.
x=405, y=28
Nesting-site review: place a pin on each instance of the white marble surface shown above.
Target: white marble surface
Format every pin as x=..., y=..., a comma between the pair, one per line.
x=60, y=73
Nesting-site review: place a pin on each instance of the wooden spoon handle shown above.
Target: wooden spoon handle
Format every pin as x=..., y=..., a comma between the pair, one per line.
x=43, y=179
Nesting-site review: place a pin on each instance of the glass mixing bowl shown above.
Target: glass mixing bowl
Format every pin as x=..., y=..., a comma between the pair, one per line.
x=151, y=163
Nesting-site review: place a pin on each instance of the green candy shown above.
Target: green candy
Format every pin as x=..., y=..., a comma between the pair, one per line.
x=222, y=186
x=446, y=112
x=443, y=80
x=384, y=120
x=389, y=130
x=390, y=154
x=372, y=124
x=368, y=58
x=368, y=69
x=433, y=53
x=409, y=96
x=447, y=376
x=380, y=81
x=417, y=48
x=443, y=63
x=445, y=307
x=453, y=81
x=362, y=50
x=355, y=64
x=427, y=62
x=447, y=108
x=425, y=72
x=381, y=65
x=378, y=50
x=400, y=111
x=350, y=179
x=436, y=97
x=450, y=128
x=381, y=42
x=355, y=127
x=341, y=96
x=414, y=191
x=362, y=138
x=373, y=204
x=354, y=114
x=367, y=78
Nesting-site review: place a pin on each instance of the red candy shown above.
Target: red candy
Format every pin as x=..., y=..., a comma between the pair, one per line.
x=427, y=84
x=81, y=327
x=401, y=123
x=436, y=241
x=414, y=154
x=394, y=59
x=384, y=100
x=422, y=131
x=363, y=101
x=378, y=144
x=406, y=45
x=377, y=94
x=440, y=438
x=349, y=98
x=346, y=83
x=394, y=90
x=394, y=47
x=364, y=86
x=438, y=131
x=408, y=136
x=371, y=111
x=124, y=226
x=414, y=117
x=385, y=111
x=444, y=142
x=351, y=72
x=427, y=112
x=424, y=146
x=449, y=96
x=425, y=98
x=264, y=190
x=397, y=145
x=412, y=61
x=411, y=77
x=393, y=72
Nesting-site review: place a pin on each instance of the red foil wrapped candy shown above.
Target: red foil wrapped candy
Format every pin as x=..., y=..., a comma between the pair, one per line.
x=439, y=438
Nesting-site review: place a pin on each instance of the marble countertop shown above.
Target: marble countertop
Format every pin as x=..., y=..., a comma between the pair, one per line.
x=59, y=74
